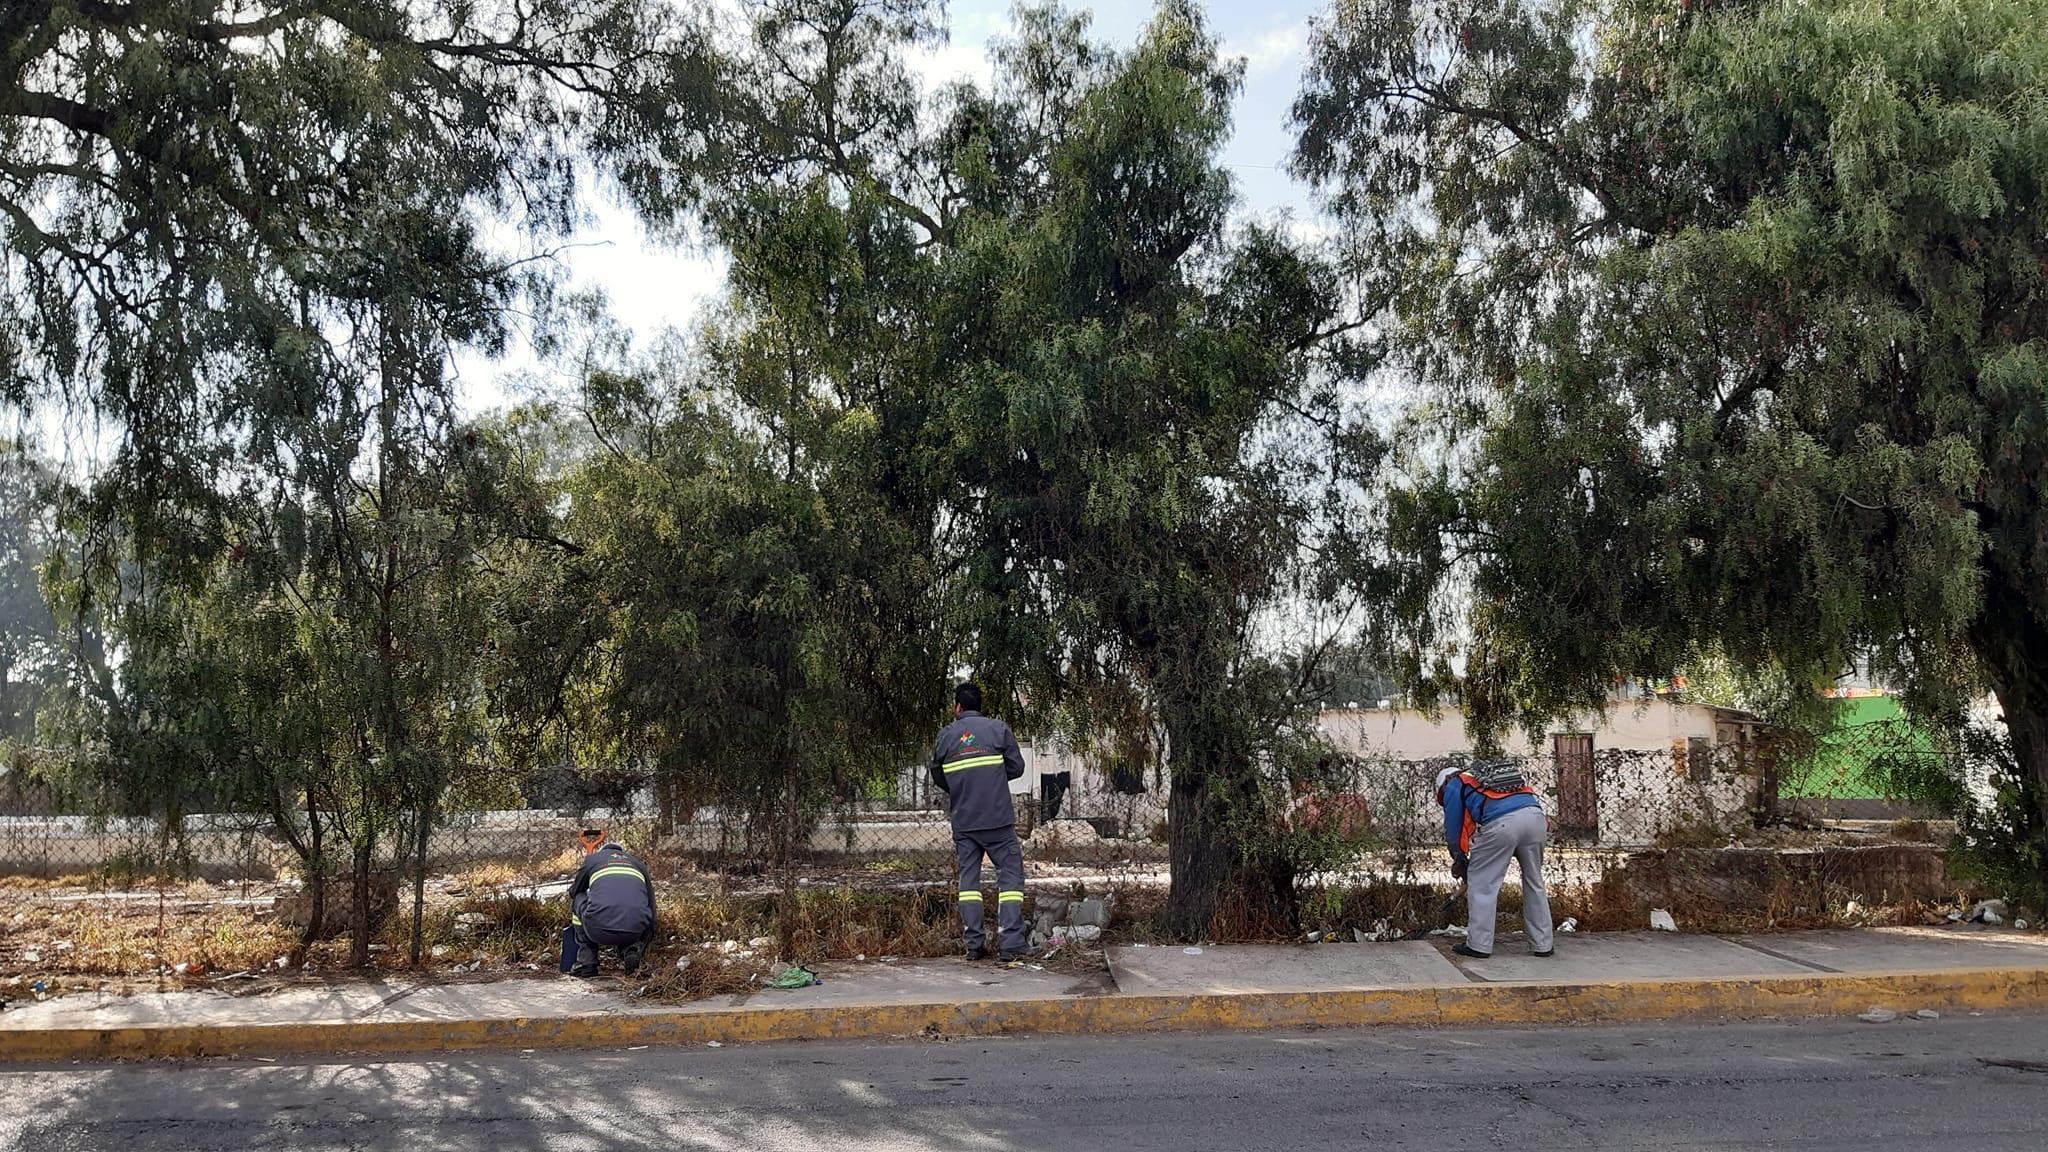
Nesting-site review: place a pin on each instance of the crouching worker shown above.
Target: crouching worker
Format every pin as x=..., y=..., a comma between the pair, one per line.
x=611, y=905
x=1492, y=816
x=973, y=763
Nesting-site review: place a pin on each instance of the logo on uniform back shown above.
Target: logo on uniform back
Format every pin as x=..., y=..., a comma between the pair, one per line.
x=967, y=737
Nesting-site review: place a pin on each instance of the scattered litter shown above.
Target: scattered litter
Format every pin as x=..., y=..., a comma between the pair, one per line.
x=729, y=947
x=1456, y=931
x=1878, y=1016
x=637, y=1048
x=235, y=976
x=1141, y=945
x=759, y=942
x=683, y=964
x=1571, y=924
x=1036, y=967
x=266, y=1059
x=714, y=1044
x=796, y=976
x=31, y=956
x=1990, y=912
x=1928, y=1014
x=1191, y=951
x=438, y=951
x=1853, y=909
x=1661, y=921
x=863, y=956
x=1382, y=929
x=2022, y=925
x=1087, y=931
x=281, y=962
x=888, y=959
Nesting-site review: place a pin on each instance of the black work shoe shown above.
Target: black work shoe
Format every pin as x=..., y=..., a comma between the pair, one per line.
x=976, y=954
x=1016, y=957
x=586, y=971
x=631, y=963
x=1546, y=954
x=1468, y=950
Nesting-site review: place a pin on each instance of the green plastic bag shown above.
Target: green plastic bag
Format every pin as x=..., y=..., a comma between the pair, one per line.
x=795, y=976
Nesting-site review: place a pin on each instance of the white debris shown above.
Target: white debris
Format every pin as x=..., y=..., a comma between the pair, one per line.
x=438, y=951
x=1878, y=1016
x=1571, y=924
x=683, y=964
x=1191, y=951
x=1928, y=1014
x=2022, y=925
x=759, y=942
x=281, y=962
x=1315, y=937
x=1990, y=912
x=31, y=956
x=1087, y=931
x=1853, y=909
x=1661, y=921
x=729, y=947
x=1456, y=931
x=714, y=1044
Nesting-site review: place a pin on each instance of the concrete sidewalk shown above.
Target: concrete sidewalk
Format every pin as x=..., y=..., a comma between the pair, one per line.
x=1609, y=977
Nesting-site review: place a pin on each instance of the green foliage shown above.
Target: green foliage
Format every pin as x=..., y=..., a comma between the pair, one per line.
x=1731, y=318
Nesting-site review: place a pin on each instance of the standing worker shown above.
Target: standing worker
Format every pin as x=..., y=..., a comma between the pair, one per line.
x=1491, y=816
x=973, y=763
x=611, y=905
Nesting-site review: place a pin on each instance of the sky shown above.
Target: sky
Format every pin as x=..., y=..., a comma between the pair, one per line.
x=653, y=286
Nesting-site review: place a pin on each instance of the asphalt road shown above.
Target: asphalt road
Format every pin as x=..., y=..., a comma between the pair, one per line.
x=1978, y=1084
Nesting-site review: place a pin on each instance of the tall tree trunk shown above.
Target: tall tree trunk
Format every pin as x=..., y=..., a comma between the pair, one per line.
x=2011, y=643
x=1231, y=877
x=316, y=882
x=359, y=911
x=423, y=831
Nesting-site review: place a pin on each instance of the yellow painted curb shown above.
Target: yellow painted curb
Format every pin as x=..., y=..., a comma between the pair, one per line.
x=2020, y=989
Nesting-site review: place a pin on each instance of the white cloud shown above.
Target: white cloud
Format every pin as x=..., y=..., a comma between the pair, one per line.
x=1277, y=49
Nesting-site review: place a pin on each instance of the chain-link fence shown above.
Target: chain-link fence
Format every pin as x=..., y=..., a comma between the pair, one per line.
x=1598, y=800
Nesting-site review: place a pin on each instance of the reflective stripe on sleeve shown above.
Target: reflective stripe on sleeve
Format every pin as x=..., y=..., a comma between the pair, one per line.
x=618, y=870
x=970, y=897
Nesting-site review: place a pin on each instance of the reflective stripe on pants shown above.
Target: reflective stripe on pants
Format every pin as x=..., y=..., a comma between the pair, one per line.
x=1002, y=849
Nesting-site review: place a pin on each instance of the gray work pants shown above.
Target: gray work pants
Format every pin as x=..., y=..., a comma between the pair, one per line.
x=1517, y=836
x=1002, y=849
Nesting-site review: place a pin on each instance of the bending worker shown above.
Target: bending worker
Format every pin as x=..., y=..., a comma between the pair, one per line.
x=611, y=905
x=1491, y=816
x=973, y=763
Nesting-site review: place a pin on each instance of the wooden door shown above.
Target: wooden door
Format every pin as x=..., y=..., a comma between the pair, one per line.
x=1578, y=799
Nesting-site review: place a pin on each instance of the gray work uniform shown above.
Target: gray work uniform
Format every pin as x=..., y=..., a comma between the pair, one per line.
x=611, y=905
x=1516, y=836
x=973, y=762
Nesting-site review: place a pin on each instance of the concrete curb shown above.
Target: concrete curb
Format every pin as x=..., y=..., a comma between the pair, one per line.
x=1638, y=1001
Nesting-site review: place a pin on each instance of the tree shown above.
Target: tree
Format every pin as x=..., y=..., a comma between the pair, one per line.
x=722, y=604
x=1731, y=318
x=1116, y=411
x=247, y=237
